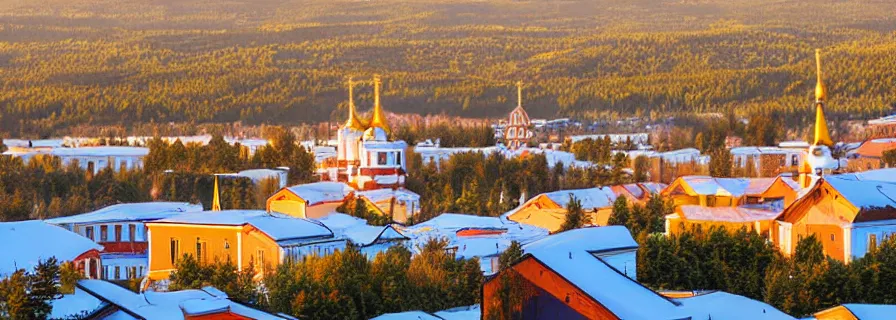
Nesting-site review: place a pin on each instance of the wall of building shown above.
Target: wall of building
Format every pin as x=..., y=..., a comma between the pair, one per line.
x=860, y=235
x=215, y=237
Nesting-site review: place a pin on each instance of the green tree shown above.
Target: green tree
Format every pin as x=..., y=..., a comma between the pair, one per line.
x=575, y=215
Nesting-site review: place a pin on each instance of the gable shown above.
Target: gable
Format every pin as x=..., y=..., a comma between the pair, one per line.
x=822, y=205
x=559, y=287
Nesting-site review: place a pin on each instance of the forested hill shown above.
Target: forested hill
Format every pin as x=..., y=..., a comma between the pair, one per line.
x=73, y=62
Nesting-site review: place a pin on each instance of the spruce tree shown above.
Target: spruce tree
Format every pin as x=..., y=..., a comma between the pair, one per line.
x=575, y=215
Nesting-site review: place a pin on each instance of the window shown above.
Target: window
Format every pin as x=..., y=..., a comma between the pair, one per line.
x=140, y=271
x=259, y=254
x=398, y=158
x=201, y=251
x=117, y=272
x=123, y=165
x=381, y=158
x=175, y=250
x=794, y=160
x=106, y=272
x=710, y=201
x=132, y=232
x=118, y=233
x=872, y=241
x=104, y=233
x=832, y=237
x=89, y=233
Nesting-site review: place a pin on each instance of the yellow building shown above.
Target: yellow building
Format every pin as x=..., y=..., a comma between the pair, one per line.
x=846, y=216
x=313, y=200
x=548, y=210
x=246, y=237
x=731, y=192
x=854, y=311
x=731, y=218
x=400, y=204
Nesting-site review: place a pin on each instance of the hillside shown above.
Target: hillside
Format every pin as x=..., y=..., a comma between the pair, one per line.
x=118, y=62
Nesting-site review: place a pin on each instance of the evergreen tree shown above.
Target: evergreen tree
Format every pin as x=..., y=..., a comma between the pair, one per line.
x=620, y=214
x=720, y=163
x=575, y=215
x=470, y=200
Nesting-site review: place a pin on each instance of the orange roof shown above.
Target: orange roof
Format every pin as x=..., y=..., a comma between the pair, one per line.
x=876, y=148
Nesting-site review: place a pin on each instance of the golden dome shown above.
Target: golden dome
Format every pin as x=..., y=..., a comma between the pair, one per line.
x=353, y=121
x=378, y=119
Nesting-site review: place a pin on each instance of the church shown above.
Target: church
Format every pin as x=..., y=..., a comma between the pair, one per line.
x=366, y=158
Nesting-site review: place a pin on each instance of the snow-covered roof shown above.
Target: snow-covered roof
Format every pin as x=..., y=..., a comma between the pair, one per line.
x=28, y=242
x=379, y=195
x=169, y=305
x=143, y=211
x=794, y=144
x=321, y=192
x=259, y=174
x=461, y=313
x=757, y=186
x=884, y=175
x=742, y=151
x=883, y=120
x=723, y=305
x=871, y=311
x=358, y=231
x=705, y=185
x=865, y=194
x=554, y=157
x=569, y=254
x=73, y=304
x=407, y=315
x=365, y=235
x=591, y=198
x=726, y=214
x=277, y=226
x=454, y=221
x=385, y=145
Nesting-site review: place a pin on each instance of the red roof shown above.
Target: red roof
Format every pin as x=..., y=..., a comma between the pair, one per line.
x=876, y=148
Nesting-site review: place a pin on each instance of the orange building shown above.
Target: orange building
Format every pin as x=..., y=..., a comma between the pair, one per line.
x=846, y=216
x=589, y=274
x=868, y=155
x=245, y=237
x=854, y=311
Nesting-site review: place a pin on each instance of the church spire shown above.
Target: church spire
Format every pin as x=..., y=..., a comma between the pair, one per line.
x=822, y=136
x=519, y=94
x=353, y=121
x=379, y=117
x=216, y=201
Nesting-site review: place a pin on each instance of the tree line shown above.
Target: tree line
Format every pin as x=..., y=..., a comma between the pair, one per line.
x=345, y=284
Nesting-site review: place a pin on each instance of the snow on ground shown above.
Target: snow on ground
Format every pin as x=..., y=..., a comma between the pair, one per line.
x=28, y=242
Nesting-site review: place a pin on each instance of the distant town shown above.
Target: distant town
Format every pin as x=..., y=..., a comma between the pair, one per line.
x=515, y=219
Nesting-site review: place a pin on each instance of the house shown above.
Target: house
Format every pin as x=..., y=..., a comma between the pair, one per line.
x=854, y=311
x=548, y=210
x=582, y=274
x=121, y=230
x=471, y=236
x=370, y=240
x=247, y=237
x=868, y=155
x=846, y=216
x=637, y=193
x=518, y=130
x=90, y=159
x=26, y=243
x=195, y=304
x=731, y=192
x=884, y=127
x=766, y=161
x=731, y=218
x=312, y=200
x=400, y=204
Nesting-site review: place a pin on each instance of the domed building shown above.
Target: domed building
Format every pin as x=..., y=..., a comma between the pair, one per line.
x=518, y=131
x=820, y=160
x=366, y=158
